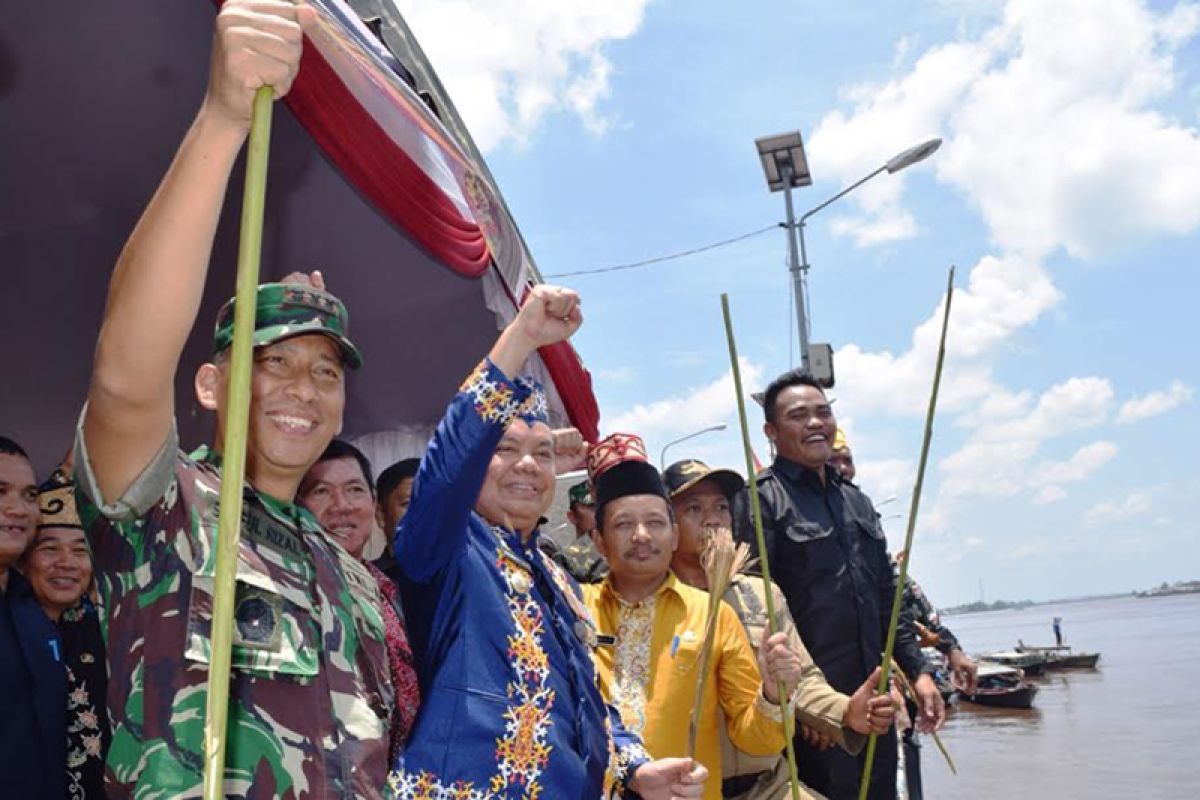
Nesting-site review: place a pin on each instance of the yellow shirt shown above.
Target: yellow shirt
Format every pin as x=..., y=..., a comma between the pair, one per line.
x=649, y=669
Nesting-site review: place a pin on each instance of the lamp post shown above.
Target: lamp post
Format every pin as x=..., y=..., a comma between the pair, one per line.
x=662, y=459
x=786, y=167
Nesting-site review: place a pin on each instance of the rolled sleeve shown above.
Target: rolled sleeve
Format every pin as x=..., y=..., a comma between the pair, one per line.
x=146, y=490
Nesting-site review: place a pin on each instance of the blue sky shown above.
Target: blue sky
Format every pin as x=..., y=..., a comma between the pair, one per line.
x=1067, y=193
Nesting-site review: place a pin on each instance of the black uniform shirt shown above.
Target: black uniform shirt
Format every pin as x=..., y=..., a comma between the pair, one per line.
x=829, y=556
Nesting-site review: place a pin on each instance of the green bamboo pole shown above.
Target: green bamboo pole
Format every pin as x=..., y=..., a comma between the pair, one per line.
x=885, y=673
x=233, y=452
x=784, y=701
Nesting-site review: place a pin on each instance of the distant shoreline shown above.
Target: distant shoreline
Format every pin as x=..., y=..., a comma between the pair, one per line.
x=1187, y=587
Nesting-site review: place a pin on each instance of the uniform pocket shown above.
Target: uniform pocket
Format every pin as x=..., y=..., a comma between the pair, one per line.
x=802, y=531
x=273, y=632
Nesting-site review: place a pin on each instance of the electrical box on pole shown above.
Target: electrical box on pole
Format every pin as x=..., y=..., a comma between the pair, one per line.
x=820, y=364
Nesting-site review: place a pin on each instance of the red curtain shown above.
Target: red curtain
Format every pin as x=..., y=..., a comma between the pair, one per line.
x=574, y=385
x=381, y=170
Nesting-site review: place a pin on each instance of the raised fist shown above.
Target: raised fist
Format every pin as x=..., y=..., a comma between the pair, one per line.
x=550, y=314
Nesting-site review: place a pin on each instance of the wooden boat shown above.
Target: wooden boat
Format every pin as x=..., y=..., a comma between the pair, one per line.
x=999, y=687
x=1061, y=657
x=1030, y=663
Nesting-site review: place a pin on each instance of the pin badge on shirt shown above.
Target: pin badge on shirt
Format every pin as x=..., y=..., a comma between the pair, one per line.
x=521, y=582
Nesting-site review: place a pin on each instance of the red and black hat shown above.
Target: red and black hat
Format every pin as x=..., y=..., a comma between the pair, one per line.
x=618, y=467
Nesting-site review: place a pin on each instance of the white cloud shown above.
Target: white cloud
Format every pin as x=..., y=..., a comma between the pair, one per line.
x=694, y=409
x=886, y=120
x=1132, y=505
x=888, y=477
x=1155, y=403
x=997, y=458
x=1049, y=494
x=510, y=63
x=1078, y=467
x=1002, y=296
x=1052, y=139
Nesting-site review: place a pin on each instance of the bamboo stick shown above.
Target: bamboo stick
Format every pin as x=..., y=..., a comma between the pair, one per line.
x=789, y=723
x=912, y=693
x=722, y=559
x=890, y=645
x=233, y=452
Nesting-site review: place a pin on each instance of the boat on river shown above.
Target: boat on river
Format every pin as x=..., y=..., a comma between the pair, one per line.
x=1029, y=663
x=1000, y=687
x=1060, y=656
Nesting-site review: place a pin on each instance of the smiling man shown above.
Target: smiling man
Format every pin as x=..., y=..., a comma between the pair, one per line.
x=653, y=627
x=33, y=685
x=338, y=490
x=59, y=566
x=502, y=639
x=309, y=696
x=829, y=557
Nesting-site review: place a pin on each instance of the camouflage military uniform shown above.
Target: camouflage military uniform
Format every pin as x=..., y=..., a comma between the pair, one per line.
x=582, y=560
x=818, y=705
x=310, y=698
x=930, y=630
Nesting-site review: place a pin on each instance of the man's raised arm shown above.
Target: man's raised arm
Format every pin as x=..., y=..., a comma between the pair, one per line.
x=158, y=281
x=455, y=464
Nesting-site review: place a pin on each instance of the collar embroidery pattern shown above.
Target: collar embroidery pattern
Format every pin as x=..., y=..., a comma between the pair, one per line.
x=635, y=625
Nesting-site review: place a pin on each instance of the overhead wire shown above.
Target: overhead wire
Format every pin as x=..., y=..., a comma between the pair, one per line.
x=669, y=257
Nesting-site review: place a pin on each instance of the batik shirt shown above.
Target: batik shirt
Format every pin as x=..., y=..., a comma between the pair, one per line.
x=309, y=696
x=88, y=731
x=510, y=706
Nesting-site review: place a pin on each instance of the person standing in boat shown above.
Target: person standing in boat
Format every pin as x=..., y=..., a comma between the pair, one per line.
x=1058, y=631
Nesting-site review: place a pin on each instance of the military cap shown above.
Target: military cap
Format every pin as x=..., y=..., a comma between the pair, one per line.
x=283, y=310
x=581, y=493
x=683, y=475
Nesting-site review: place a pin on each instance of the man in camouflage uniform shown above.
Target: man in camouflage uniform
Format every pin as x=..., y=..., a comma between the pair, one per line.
x=309, y=696
x=702, y=500
x=930, y=633
x=580, y=558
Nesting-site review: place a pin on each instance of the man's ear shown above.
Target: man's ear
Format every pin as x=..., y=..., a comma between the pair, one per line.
x=769, y=431
x=572, y=517
x=674, y=537
x=598, y=540
x=207, y=384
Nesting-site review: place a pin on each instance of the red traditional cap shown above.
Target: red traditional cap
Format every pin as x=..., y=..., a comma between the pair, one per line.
x=607, y=453
x=618, y=466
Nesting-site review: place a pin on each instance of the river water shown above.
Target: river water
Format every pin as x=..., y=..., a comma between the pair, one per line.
x=1128, y=729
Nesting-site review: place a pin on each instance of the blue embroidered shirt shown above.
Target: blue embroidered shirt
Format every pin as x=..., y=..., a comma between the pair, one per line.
x=511, y=708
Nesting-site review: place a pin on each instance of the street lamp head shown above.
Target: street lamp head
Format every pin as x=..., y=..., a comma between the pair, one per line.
x=912, y=155
x=783, y=161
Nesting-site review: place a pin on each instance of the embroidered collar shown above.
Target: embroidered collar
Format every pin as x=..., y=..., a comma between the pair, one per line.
x=511, y=543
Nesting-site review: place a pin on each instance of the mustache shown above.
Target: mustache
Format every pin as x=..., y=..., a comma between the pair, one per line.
x=648, y=550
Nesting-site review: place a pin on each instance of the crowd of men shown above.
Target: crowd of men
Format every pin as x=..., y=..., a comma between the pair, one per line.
x=475, y=658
